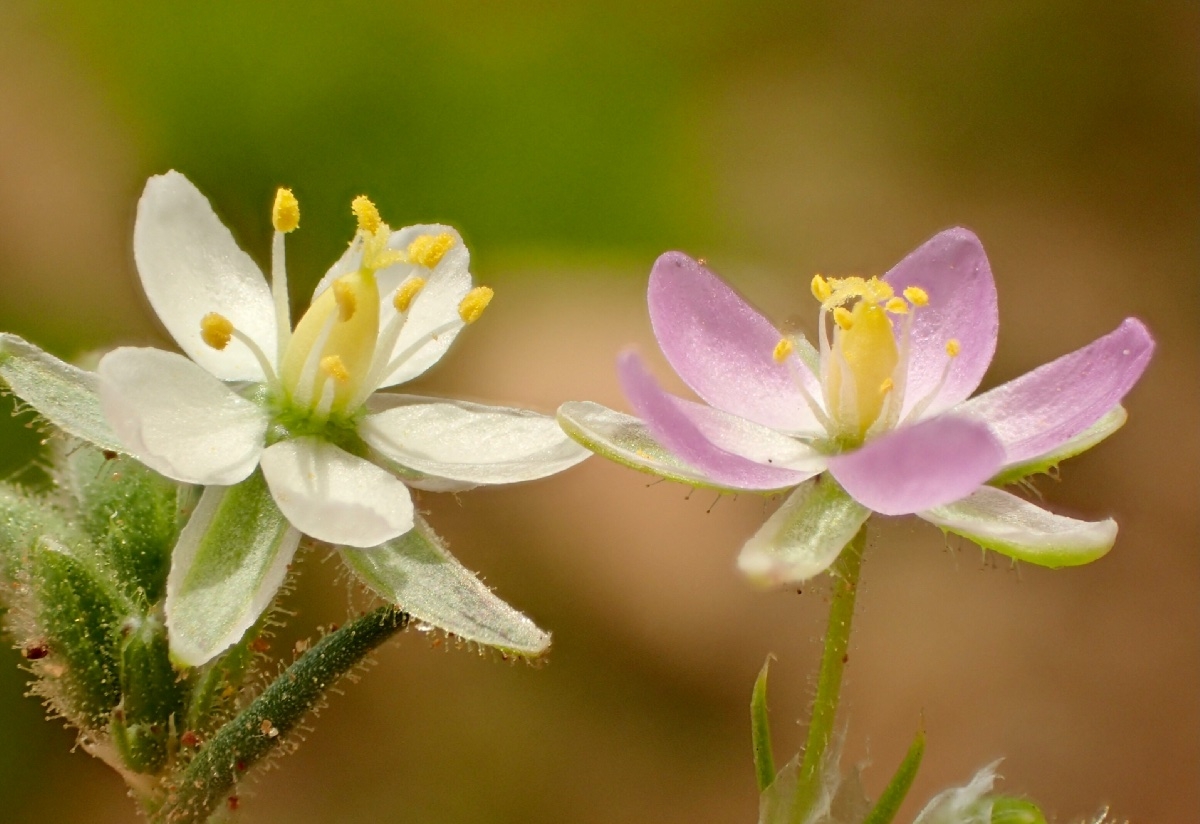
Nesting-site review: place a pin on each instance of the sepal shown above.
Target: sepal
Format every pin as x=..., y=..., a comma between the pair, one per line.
x=152, y=696
x=419, y=575
x=230, y=560
x=804, y=536
x=65, y=395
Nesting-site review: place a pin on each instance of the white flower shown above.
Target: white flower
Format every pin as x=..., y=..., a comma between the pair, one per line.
x=302, y=402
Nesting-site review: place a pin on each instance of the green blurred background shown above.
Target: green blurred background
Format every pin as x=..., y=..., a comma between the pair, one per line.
x=571, y=143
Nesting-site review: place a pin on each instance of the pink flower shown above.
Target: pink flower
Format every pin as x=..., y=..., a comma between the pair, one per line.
x=876, y=418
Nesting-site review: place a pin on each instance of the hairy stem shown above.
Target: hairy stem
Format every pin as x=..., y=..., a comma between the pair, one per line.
x=262, y=726
x=845, y=572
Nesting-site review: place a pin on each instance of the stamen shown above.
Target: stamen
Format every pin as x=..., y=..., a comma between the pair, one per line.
x=285, y=214
x=406, y=293
x=782, y=350
x=916, y=295
x=878, y=291
x=334, y=367
x=843, y=318
x=887, y=386
x=347, y=301
x=216, y=330
x=302, y=393
x=474, y=303
x=428, y=250
x=821, y=289
x=897, y=306
x=953, y=347
x=368, y=217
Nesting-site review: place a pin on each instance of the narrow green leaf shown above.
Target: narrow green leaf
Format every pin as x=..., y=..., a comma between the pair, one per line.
x=760, y=727
x=893, y=795
x=418, y=574
x=65, y=395
x=230, y=560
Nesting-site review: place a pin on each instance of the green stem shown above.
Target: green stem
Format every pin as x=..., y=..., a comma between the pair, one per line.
x=260, y=728
x=845, y=572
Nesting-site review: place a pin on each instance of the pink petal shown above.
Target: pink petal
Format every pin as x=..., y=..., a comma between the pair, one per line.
x=1042, y=409
x=675, y=425
x=918, y=467
x=723, y=348
x=952, y=268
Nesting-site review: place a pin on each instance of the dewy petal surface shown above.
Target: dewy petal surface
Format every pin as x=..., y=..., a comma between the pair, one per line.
x=335, y=497
x=953, y=269
x=1042, y=409
x=669, y=422
x=178, y=419
x=804, y=536
x=723, y=348
x=1004, y=523
x=471, y=442
x=917, y=467
x=190, y=265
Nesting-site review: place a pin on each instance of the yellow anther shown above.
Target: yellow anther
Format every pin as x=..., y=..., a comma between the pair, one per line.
x=285, y=214
x=334, y=367
x=821, y=289
x=427, y=250
x=887, y=386
x=347, y=300
x=843, y=318
x=877, y=291
x=782, y=349
x=897, y=306
x=216, y=330
x=953, y=347
x=407, y=292
x=474, y=303
x=916, y=295
x=368, y=217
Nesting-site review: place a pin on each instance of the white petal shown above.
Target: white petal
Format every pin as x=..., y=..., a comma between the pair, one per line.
x=1004, y=523
x=471, y=442
x=804, y=536
x=230, y=560
x=178, y=419
x=335, y=497
x=190, y=265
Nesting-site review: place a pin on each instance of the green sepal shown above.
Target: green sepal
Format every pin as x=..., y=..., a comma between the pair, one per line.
x=230, y=560
x=804, y=536
x=894, y=793
x=760, y=730
x=25, y=517
x=65, y=395
x=81, y=612
x=625, y=440
x=1112, y=420
x=417, y=573
x=152, y=696
x=216, y=685
x=132, y=514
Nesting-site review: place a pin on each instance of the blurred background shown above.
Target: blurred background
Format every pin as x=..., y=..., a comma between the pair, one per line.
x=571, y=143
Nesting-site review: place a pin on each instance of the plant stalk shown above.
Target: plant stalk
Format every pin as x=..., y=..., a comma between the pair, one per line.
x=845, y=573
x=262, y=726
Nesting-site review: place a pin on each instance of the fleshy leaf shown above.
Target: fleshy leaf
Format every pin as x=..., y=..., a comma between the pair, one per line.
x=416, y=573
x=760, y=729
x=231, y=558
x=1113, y=420
x=893, y=794
x=626, y=440
x=1004, y=523
x=804, y=536
x=65, y=395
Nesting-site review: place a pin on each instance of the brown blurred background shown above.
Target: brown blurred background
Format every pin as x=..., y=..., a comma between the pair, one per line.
x=572, y=143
